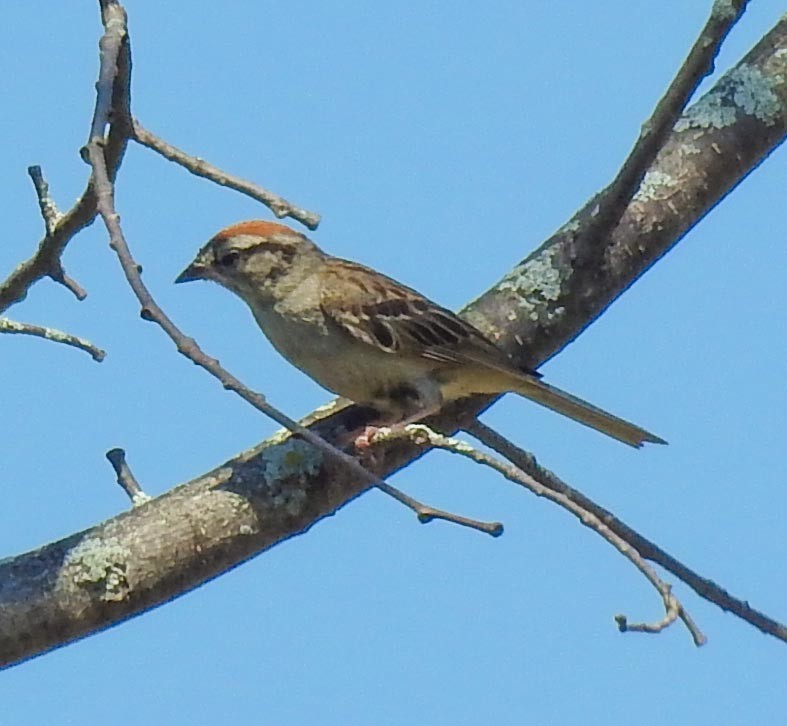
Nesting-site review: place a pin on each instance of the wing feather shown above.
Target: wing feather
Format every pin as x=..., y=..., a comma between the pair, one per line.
x=396, y=319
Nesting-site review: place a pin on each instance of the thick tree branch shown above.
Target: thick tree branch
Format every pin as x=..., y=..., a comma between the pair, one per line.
x=541, y=305
x=175, y=542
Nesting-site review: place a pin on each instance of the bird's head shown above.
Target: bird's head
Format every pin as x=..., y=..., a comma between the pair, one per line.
x=253, y=259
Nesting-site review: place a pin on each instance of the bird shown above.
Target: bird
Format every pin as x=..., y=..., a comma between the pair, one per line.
x=371, y=339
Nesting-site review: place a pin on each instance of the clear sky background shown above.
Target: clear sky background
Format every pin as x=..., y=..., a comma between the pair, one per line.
x=441, y=142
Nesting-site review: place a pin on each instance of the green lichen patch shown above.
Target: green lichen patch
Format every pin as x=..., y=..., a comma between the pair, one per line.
x=655, y=185
x=743, y=89
x=534, y=285
x=287, y=467
x=99, y=565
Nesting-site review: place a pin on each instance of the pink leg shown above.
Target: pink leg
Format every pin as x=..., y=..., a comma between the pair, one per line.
x=366, y=438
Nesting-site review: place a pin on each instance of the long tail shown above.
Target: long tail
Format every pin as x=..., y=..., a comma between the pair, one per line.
x=585, y=413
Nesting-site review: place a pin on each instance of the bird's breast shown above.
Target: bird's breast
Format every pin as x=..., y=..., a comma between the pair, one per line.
x=343, y=365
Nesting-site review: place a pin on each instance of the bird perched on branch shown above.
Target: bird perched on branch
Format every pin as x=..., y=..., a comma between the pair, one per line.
x=369, y=338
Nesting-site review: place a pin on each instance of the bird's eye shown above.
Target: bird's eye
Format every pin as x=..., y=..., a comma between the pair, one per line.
x=228, y=259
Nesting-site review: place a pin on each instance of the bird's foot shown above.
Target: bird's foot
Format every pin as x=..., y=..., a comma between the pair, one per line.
x=365, y=439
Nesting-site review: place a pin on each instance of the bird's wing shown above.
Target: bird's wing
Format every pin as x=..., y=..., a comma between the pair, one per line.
x=396, y=319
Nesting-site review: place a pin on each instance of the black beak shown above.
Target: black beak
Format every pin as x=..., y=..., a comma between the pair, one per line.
x=195, y=271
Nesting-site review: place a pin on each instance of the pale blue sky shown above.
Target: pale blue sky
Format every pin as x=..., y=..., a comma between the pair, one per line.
x=441, y=142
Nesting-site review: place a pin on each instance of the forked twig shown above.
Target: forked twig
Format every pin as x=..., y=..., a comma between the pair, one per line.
x=46, y=259
x=422, y=435
x=705, y=588
x=52, y=217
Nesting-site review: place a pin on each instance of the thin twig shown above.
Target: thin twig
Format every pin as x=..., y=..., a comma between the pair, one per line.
x=612, y=202
x=423, y=436
x=278, y=205
x=672, y=615
x=47, y=205
x=59, y=275
x=56, y=336
x=126, y=478
x=705, y=588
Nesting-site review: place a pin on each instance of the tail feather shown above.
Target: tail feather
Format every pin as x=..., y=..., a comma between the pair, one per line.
x=585, y=413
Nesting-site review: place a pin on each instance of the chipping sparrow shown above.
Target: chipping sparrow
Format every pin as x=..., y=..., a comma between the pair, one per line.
x=369, y=338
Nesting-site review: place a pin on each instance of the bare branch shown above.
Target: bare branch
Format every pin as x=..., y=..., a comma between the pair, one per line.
x=126, y=479
x=48, y=208
x=424, y=437
x=278, y=205
x=705, y=588
x=611, y=203
x=59, y=275
x=46, y=260
x=672, y=607
x=56, y=336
